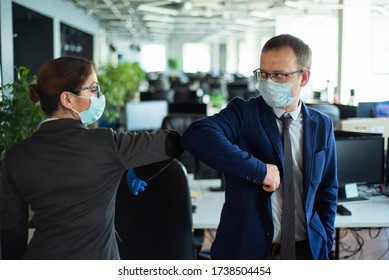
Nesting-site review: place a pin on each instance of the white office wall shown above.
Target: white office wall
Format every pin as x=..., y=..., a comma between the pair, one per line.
x=215, y=56
x=380, y=44
x=378, y=81
x=356, y=55
x=249, y=52
x=364, y=56
x=59, y=11
x=232, y=55
x=323, y=41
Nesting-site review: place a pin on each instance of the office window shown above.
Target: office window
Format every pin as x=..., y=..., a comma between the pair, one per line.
x=153, y=58
x=196, y=58
x=243, y=65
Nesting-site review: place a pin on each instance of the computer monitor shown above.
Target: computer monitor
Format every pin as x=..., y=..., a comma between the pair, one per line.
x=360, y=160
x=238, y=89
x=382, y=109
x=387, y=163
x=347, y=111
x=190, y=107
x=366, y=110
x=338, y=133
x=145, y=115
x=385, y=189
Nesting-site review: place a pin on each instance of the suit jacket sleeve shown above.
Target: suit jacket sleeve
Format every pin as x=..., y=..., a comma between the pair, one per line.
x=211, y=140
x=138, y=149
x=14, y=219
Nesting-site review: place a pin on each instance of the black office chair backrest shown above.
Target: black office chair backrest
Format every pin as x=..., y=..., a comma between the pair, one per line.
x=180, y=122
x=237, y=89
x=157, y=95
x=156, y=224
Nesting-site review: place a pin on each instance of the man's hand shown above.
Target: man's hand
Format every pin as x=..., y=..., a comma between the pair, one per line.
x=272, y=178
x=134, y=183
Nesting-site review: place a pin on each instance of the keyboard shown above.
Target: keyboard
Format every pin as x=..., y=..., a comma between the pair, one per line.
x=351, y=199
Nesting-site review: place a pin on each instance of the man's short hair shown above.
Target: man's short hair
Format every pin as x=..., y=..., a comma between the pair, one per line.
x=301, y=50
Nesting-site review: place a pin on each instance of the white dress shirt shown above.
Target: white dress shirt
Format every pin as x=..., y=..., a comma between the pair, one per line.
x=296, y=133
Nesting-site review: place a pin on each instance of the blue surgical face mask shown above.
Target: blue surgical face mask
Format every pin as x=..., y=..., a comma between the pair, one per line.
x=276, y=95
x=95, y=110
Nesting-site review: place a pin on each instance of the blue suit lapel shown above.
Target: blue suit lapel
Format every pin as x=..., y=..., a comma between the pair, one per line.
x=309, y=128
x=268, y=121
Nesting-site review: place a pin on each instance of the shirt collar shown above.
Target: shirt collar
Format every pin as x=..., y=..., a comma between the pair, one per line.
x=47, y=120
x=294, y=114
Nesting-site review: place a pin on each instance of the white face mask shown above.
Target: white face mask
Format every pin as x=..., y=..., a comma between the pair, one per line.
x=95, y=110
x=276, y=95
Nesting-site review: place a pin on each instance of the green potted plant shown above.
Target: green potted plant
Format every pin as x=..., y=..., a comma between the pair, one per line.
x=119, y=83
x=173, y=64
x=19, y=117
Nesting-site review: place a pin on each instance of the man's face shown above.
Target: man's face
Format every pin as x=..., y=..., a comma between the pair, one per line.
x=285, y=61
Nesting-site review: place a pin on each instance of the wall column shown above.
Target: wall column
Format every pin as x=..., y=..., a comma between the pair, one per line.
x=232, y=55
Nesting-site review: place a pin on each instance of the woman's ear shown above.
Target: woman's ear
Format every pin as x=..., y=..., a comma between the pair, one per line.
x=66, y=99
x=305, y=77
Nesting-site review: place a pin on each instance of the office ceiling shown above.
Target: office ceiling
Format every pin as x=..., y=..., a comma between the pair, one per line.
x=195, y=20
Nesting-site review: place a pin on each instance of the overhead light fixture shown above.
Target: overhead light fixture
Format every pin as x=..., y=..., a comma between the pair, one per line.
x=188, y=5
x=246, y=22
x=264, y=15
x=159, y=18
x=293, y=4
x=157, y=10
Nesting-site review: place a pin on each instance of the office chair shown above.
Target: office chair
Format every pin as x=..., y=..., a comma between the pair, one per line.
x=157, y=223
x=157, y=95
x=180, y=122
x=183, y=95
x=239, y=89
x=188, y=108
x=329, y=109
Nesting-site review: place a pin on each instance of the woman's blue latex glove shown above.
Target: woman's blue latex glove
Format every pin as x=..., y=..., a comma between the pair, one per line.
x=134, y=183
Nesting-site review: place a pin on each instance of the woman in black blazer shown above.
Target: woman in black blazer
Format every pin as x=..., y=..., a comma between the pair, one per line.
x=69, y=174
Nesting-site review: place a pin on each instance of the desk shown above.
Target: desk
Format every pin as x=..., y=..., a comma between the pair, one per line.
x=373, y=213
x=209, y=204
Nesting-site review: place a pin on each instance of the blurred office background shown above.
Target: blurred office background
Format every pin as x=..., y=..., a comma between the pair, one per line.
x=217, y=39
x=199, y=54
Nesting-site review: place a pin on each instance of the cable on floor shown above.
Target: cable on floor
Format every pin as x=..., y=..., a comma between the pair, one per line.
x=347, y=248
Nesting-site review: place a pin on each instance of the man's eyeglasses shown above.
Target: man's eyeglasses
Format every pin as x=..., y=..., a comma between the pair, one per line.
x=276, y=77
x=92, y=88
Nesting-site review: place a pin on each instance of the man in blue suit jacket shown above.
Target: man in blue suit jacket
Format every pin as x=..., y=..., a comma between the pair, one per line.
x=244, y=141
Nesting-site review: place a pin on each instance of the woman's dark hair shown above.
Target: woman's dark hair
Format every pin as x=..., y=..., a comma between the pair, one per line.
x=301, y=50
x=58, y=75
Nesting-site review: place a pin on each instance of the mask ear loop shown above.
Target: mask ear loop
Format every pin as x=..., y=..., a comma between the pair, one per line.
x=159, y=172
